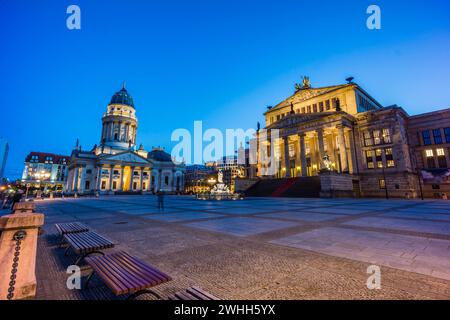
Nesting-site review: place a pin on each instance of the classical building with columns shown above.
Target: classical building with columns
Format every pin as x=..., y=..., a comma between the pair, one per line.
x=115, y=165
x=343, y=142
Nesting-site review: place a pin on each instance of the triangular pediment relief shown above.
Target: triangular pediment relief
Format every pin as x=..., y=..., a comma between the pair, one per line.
x=306, y=94
x=127, y=156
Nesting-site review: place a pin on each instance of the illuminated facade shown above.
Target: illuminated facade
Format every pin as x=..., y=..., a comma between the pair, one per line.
x=355, y=145
x=46, y=169
x=116, y=165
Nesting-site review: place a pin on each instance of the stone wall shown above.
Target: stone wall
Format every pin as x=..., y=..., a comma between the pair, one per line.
x=336, y=185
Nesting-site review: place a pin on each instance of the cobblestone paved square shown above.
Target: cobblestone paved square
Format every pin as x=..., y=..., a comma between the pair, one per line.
x=262, y=248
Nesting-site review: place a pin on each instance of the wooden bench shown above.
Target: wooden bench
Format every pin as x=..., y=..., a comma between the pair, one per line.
x=125, y=274
x=86, y=243
x=71, y=227
x=193, y=293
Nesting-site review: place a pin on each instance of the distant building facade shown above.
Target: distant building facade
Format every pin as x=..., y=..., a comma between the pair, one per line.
x=357, y=146
x=116, y=165
x=199, y=178
x=4, y=149
x=46, y=169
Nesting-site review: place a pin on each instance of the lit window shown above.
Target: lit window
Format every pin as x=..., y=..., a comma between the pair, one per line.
x=367, y=139
x=439, y=152
x=382, y=183
x=389, y=158
x=376, y=137
x=386, y=136
x=429, y=153
x=369, y=159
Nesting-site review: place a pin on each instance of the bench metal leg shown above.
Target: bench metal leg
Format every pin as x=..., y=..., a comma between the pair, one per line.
x=141, y=292
x=67, y=250
x=86, y=284
x=81, y=257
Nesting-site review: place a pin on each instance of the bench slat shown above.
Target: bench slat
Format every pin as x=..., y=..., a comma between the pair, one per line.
x=123, y=273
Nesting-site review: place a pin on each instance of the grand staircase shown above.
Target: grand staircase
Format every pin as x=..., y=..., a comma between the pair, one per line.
x=301, y=187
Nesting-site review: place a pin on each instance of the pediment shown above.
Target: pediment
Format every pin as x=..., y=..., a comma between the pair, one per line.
x=127, y=156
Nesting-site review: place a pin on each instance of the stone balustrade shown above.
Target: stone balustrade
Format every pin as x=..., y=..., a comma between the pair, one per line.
x=18, y=248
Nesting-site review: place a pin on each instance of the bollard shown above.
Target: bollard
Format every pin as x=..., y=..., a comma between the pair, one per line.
x=23, y=207
x=18, y=247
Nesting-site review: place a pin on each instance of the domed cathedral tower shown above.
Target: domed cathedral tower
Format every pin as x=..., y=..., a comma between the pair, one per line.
x=119, y=123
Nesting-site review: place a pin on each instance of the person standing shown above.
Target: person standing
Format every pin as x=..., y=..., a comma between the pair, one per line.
x=160, y=196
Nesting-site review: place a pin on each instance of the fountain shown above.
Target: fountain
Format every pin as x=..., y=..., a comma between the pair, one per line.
x=220, y=191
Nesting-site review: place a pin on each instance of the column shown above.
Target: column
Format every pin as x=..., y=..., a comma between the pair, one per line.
x=351, y=141
x=173, y=180
x=111, y=178
x=83, y=178
x=122, y=172
x=75, y=184
x=127, y=132
x=301, y=138
x=131, y=179
x=159, y=178
x=342, y=149
x=141, y=178
x=111, y=131
x=99, y=178
x=287, y=161
x=321, y=147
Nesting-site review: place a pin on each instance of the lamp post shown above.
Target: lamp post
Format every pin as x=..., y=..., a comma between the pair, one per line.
x=385, y=182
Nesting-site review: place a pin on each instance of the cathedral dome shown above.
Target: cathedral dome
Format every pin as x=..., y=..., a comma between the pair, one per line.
x=159, y=155
x=122, y=97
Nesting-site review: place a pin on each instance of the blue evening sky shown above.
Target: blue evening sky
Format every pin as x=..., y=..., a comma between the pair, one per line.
x=218, y=61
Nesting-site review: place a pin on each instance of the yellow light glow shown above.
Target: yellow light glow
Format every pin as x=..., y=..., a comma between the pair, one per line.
x=314, y=167
x=284, y=169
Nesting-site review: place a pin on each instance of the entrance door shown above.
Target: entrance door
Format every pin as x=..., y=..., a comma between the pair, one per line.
x=126, y=178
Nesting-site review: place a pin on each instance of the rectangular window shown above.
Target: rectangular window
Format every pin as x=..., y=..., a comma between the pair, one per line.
x=309, y=109
x=426, y=138
x=327, y=105
x=430, y=159
x=103, y=185
x=134, y=185
x=437, y=136
x=389, y=158
x=303, y=110
x=114, y=185
x=144, y=186
x=368, y=139
x=87, y=185
x=382, y=183
x=314, y=108
x=376, y=137
x=321, y=106
x=386, y=136
x=278, y=117
x=369, y=159
x=442, y=161
x=447, y=134
x=379, y=158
